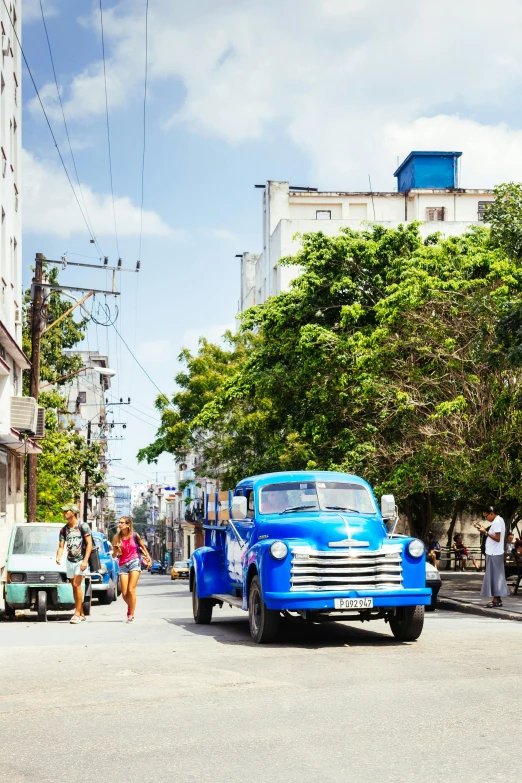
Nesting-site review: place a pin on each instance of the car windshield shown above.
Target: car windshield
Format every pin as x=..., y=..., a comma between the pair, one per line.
x=36, y=540
x=181, y=564
x=315, y=496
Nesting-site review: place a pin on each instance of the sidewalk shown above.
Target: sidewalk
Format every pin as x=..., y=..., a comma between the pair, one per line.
x=461, y=592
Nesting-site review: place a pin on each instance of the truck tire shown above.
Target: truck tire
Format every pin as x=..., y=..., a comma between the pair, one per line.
x=201, y=607
x=406, y=624
x=41, y=606
x=264, y=623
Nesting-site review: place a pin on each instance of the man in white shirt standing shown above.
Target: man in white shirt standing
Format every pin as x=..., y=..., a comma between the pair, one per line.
x=494, y=583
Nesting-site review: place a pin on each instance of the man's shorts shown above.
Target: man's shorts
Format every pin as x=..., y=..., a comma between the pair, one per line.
x=73, y=569
x=130, y=565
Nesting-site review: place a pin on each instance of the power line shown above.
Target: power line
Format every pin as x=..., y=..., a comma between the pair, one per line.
x=93, y=237
x=144, y=119
x=108, y=128
x=138, y=363
x=46, y=117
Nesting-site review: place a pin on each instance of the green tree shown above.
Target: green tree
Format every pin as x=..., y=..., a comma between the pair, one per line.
x=140, y=518
x=383, y=359
x=65, y=453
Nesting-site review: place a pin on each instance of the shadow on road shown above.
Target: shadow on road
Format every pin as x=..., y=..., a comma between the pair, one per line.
x=296, y=633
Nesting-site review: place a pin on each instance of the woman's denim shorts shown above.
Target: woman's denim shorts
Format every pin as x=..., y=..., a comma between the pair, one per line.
x=130, y=565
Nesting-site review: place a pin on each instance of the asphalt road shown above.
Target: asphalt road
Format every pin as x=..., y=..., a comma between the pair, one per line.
x=165, y=700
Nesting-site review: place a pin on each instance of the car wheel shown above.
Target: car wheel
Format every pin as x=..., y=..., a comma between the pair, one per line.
x=87, y=601
x=41, y=606
x=9, y=611
x=264, y=623
x=407, y=622
x=115, y=590
x=118, y=585
x=201, y=607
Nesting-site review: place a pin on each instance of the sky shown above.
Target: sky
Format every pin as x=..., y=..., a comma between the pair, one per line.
x=314, y=92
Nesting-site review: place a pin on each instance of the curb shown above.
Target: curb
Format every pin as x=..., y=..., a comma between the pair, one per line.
x=453, y=605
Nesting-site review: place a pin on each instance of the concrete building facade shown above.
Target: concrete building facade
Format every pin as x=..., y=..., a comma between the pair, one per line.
x=12, y=359
x=427, y=192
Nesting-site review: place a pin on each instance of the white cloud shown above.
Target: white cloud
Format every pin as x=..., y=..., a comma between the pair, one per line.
x=50, y=208
x=223, y=233
x=31, y=10
x=213, y=334
x=353, y=84
x=154, y=352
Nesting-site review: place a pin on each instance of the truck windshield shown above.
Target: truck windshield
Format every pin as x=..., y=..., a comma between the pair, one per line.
x=36, y=540
x=315, y=496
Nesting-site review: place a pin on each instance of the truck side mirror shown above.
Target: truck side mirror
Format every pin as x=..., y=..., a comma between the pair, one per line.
x=388, y=507
x=239, y=507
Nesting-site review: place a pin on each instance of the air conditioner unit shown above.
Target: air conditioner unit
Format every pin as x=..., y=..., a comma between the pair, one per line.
x=40, y=424
x=17, y=316
x=24, y=414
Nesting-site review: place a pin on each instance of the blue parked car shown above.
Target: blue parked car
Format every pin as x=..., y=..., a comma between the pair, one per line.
x=312, y=543
x=156, y=567
x=106, y=582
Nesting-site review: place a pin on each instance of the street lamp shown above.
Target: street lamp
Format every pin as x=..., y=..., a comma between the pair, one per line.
x=101, y=370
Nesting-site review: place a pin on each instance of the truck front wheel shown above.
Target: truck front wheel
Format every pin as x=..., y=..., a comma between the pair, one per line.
x=407, y=622
x=264, y=623
x=201, y=607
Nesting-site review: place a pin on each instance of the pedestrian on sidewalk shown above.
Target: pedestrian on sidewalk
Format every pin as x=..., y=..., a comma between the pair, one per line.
x=132, y=554
x=76, y=537
x=494, y=584
x=462, y=553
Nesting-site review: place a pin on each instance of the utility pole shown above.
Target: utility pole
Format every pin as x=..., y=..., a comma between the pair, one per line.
x=36, y=333
x=86, y=493
x=38, y=326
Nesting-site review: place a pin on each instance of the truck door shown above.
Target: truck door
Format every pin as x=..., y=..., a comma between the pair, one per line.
x=236, y=549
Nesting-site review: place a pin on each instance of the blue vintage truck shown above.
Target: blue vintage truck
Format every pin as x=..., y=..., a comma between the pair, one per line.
x=309, y=543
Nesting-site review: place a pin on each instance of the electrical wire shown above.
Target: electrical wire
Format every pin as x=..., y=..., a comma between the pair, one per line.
x=137, y=362
x=144, y=119
x=93, y=237
x=108, y=127
x=46, y=117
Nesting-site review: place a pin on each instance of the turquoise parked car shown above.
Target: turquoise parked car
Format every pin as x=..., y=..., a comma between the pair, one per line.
x=34, y=580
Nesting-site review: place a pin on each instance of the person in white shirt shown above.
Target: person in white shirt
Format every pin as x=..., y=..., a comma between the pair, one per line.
x=494, y=583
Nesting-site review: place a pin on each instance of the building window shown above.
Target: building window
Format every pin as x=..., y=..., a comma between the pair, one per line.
x=81, y=398
x=437, y=214
x=481, y=207
x=3, y=481
x=19, y=473
x=357, y=211
x=323, y=214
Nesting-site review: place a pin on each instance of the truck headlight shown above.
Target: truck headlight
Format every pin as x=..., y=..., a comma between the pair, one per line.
x=16, y=577
x=103, y=569
x=416, y=548
x=279, y=550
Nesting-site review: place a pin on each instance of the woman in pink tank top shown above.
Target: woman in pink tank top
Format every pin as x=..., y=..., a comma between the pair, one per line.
x=130, y=551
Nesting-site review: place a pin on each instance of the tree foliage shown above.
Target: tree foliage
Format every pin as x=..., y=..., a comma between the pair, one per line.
x=386, y=358
x=65, y=453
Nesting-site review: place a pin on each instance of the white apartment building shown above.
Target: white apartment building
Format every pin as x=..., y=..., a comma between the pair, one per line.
x=138, y=491
x=427, y=191
x=86, y=408
x=20, y=418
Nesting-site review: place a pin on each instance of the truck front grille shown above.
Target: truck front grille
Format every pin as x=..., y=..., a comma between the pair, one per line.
x=45, y=577
x=343, y=570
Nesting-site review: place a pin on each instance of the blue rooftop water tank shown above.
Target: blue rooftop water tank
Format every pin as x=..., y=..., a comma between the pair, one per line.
x=428, y=170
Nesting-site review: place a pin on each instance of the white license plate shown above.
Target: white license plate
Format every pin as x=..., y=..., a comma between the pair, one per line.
x=353, y=603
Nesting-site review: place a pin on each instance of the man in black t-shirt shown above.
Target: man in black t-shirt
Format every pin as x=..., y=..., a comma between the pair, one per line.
x=76, y=536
